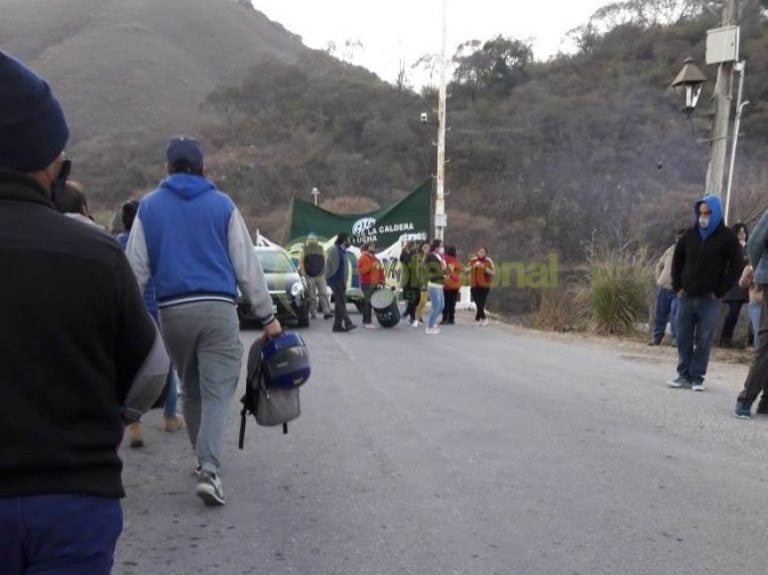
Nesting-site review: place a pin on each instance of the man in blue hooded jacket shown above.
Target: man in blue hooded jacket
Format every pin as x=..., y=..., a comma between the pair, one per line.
x=191, y=240
x=708, y=260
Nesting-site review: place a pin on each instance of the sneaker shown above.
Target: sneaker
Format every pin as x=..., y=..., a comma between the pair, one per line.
x=351, y=326
x=484, y=323
x=209, y=489
x=135, y=435
x=327, y=315
x=174, y=423
x=415, y=323
x=762, y=407
x=743, y=409
x=654, y=342
x=370, y=326
x=432, y=331
x=679, y=381
x=698, y=386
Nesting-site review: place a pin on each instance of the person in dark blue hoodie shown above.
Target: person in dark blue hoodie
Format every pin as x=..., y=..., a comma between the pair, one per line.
x=707, y=263
x=191, y=240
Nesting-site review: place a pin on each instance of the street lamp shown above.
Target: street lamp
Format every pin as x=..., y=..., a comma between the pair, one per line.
x=315, y=192
x=690, y=82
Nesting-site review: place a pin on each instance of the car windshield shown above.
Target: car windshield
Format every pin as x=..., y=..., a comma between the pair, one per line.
x=276, y=263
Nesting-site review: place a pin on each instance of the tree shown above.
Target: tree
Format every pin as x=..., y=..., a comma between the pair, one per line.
x=499, y=63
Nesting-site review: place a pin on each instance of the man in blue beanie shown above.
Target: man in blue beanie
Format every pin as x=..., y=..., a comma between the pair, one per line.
x=191, y=240
x=72, y=370
x=707, y=262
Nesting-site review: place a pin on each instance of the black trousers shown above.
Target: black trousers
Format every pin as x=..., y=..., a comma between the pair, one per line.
x=480, y=296
x=729, y=325
x=411, y=296
x=449, y=311
x=340, y=315
x=757, y=380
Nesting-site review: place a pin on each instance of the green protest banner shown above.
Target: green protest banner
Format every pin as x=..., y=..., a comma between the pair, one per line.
x=409, y=217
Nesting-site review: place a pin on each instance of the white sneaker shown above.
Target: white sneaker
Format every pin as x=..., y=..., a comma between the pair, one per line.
x=370, y=326
x=698, y=386
x=432, y=330
x=415, y=323
x=209, y=489
x=484, y=322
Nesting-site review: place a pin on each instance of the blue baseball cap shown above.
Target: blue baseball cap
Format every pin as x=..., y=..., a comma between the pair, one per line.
x=184, y=148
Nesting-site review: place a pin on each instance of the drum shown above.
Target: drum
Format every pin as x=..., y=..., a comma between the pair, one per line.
x=384, y=304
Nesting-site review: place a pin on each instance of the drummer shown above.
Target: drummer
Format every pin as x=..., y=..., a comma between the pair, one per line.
x=371, y=273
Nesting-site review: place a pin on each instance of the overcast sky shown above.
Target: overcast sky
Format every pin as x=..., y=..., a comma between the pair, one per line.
x=395, y=30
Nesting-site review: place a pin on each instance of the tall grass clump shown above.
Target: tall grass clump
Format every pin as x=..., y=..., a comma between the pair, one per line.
x=619, y=288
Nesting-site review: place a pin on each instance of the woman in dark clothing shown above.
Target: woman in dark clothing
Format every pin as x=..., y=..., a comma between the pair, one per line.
x=737, y=296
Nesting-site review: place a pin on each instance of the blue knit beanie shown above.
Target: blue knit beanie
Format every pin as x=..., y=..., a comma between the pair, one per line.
x=33, y=130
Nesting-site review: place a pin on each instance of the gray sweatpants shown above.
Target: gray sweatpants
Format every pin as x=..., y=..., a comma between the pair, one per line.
x=204, y=341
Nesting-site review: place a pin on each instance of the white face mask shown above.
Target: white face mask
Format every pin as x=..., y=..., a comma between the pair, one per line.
x=703, y=221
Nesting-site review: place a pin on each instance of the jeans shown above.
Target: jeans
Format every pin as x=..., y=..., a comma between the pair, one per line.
x=170, y=407
x=58, y=534
x=438, y=302
x=666, y=311
x=696, y=319
x=754, y=317
x=204, y=340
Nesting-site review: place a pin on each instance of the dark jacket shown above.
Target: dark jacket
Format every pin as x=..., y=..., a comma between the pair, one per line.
x=738, y=293
x=73, y=336
x=335, y=265
x=435, y=270
x=707, y=262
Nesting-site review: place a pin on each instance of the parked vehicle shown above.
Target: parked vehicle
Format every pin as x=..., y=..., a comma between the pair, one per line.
x=287, y=288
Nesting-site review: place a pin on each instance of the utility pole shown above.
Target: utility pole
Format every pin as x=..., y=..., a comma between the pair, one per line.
x=740, y=67
x=441, y=219
x=722, y=96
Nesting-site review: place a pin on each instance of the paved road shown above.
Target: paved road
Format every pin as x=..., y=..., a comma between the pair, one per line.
x=482, y=450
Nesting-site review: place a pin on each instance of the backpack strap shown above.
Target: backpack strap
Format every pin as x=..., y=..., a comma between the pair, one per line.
x=243, y=417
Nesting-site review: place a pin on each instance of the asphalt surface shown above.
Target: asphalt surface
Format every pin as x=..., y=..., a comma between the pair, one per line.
x=481, y=450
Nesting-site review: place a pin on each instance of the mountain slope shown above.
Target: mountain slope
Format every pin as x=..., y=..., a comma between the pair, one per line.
x=139, y=66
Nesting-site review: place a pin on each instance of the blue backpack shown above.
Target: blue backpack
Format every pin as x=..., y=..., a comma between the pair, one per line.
x=276, y=370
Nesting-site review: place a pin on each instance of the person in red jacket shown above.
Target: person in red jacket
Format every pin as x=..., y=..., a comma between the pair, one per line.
x=452, y=285
x=371, y=278
x=481, y=271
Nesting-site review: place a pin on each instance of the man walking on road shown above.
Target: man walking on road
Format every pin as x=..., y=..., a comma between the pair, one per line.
x=80, y=356
x=192, y=241
x=757, y=379
x=336, y=274
x=707, y=262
